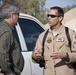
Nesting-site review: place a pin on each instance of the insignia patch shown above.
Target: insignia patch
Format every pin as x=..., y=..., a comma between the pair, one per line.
x=49, y=39
x=60, y=39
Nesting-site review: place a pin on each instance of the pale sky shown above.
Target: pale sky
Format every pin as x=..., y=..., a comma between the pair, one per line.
x=61, y=3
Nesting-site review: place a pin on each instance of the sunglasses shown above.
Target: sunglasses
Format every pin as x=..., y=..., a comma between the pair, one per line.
x=52, y=16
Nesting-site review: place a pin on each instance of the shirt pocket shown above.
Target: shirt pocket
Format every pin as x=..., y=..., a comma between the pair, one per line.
x=61, y=44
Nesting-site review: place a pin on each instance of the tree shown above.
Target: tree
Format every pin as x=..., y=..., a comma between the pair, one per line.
x=68, y=8
x=35, y=8
x=8, y=1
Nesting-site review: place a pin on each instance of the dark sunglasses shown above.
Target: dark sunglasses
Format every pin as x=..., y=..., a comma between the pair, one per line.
x=16, y=13
x=52, y=16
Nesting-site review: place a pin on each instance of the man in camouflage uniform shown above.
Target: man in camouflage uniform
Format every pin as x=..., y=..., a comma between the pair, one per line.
x=11, y=59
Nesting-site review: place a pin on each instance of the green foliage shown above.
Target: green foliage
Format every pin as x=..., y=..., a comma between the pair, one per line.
x=68, y=8
x=8, y=1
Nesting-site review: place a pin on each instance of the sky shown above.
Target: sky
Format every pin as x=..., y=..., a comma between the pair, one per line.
x=61, y=3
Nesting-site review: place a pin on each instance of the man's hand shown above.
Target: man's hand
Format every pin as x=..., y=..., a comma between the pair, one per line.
x=37, y=54
x=58, y=54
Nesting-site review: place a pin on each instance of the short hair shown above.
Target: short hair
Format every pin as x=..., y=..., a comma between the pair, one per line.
x=59, y=9
x=8, y=9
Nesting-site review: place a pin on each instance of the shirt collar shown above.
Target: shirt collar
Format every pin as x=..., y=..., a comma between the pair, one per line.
x=59, y=31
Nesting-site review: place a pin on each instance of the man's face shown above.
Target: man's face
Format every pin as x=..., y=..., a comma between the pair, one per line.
x=53, y=17
x=15, y=17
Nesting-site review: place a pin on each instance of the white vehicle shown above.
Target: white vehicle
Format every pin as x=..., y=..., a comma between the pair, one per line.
x=28, y=25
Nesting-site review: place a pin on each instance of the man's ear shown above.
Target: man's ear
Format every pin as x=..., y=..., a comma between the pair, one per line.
x=60, y=18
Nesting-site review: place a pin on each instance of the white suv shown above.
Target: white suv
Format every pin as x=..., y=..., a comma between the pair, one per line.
x=27, y=32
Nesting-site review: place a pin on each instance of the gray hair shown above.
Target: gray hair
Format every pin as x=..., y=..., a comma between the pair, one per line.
x=8, y=9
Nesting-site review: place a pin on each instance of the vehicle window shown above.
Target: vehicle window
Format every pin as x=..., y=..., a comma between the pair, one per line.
x=31, y=31
x=0, y=20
